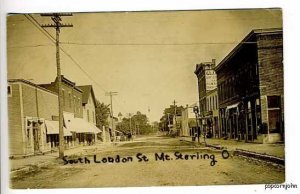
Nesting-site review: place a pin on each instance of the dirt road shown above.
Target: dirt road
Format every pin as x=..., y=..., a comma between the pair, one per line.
x=155, y=161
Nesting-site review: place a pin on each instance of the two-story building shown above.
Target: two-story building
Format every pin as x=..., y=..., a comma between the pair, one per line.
x=89, y=109
x=188, y=122
x=250, y=88
x=84, y=132
x=207, y=85
x=31, y=116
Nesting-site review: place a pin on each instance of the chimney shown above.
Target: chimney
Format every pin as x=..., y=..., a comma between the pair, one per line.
x=213, y=63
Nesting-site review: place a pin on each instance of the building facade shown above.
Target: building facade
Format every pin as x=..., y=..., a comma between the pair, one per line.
x=250, y=88
x=208, y=101
x=213, y=113
x=188, y=122
x=76, y=103
x=71, y=95
x=29, y=108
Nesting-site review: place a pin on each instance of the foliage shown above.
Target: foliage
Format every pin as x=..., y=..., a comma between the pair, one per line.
x=102, y=114
x=168, y=115
x=137, y=124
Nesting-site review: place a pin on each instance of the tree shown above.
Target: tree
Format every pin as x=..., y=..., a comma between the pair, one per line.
x=168, y=115
x=137, y=123
x=102, y=114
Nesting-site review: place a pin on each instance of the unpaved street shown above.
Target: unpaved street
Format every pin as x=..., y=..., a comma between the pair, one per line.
x=185, y=169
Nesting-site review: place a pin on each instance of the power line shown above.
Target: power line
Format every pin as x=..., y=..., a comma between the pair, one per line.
x=30, y=46
x=153, y=44
x=53, y=40
x=37, y=25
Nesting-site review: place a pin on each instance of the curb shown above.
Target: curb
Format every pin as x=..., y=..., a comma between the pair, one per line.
x=259, y=156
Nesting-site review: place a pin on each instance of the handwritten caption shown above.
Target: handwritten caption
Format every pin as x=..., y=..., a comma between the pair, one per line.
x=140, y=157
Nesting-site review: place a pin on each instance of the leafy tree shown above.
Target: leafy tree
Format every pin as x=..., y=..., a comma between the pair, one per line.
x=102, y=113
x=168, y=115
x=137, y=123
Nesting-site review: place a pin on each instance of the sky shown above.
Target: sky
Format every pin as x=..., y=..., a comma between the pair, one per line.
x=149, y=58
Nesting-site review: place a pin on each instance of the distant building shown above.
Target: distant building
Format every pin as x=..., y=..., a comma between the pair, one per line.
x=213, y=113
x=250, y=88
x=208, y=100
x=188, y=122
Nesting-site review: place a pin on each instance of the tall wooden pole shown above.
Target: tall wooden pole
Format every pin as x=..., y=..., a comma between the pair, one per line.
x=57, y=25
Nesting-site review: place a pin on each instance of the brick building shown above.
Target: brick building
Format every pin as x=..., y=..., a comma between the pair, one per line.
x=71, y=94
x=208, y=97
x=31, y=110
x=73, y=104
x=250, y=88
x=213, y=113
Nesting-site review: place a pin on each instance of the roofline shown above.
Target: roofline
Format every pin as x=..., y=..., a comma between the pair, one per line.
x=64, y=79
x=241, y=44
x=30, y=83
x=92, y=91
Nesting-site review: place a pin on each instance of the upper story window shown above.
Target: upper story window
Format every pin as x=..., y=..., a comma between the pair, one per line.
x=70, y=100
x=88, y=115
x=273, y=102
x=79, y=105
x=9, y=91
x=63, y=97
x=93, y=116
x=75, y=104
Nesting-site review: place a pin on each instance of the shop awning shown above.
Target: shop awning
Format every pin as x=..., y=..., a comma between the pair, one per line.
x=232, y=106
x=53, y=128
x=79, y=125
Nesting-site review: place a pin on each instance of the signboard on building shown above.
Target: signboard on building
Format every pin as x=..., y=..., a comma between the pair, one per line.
x=211, y=79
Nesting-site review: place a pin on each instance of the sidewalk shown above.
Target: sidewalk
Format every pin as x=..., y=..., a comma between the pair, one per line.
x=231, y=145
x=18, y=164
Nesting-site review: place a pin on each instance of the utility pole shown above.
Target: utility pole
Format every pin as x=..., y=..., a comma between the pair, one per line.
x=56, y=18
x=174, y=102
x=169, y=122
x=129, y=114
x=111, y=94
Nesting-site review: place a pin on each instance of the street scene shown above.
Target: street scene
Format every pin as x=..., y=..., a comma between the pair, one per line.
x=151, y=173
x=125, y=99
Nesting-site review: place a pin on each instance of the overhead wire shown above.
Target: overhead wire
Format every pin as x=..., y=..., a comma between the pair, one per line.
x=53, y=40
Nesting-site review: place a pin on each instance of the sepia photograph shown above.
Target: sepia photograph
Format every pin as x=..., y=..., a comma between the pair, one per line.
x=145, y=98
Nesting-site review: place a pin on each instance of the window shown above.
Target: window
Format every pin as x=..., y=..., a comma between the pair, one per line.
x=9, y=91
x=88, y=115
x=274, y=114
x=93, y=114
x=79, y=105
x=70, y=102
x=75, y=104
x=273, y=102
x=63, y=96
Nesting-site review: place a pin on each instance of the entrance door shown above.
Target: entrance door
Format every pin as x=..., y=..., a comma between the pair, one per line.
x=36, y=139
